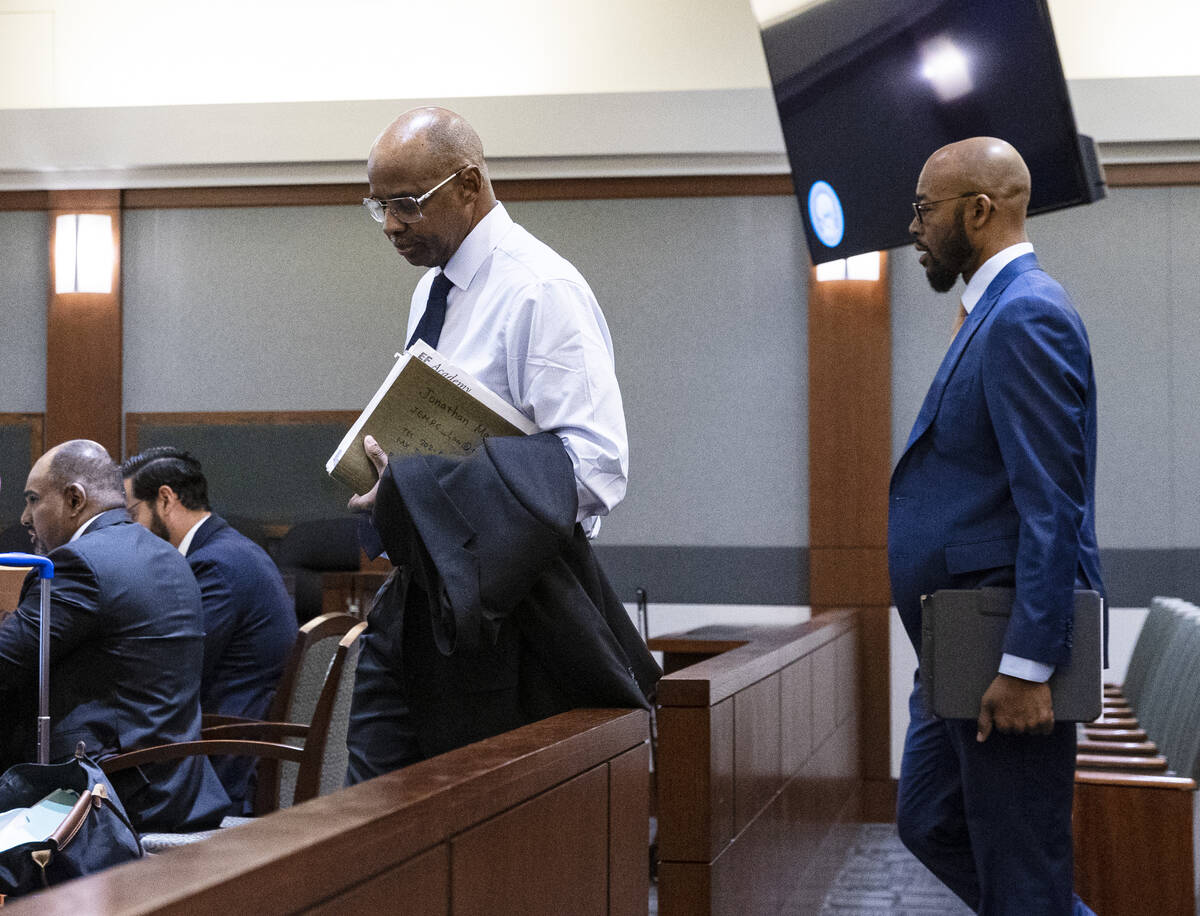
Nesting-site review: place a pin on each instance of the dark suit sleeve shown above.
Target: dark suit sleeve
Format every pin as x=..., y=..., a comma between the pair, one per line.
x=1036, y=381
x=220, y=617
x=74, y=618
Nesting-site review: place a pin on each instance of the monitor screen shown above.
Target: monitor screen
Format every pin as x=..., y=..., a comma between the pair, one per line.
x=867, y=89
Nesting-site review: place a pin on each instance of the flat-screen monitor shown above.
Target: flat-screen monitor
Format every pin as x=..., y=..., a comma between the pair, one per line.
x=867, y=89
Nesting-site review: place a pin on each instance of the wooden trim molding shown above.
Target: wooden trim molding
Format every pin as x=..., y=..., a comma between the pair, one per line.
x=644, y=186
x=134, y=422
x=1151, y=174
x=508, y=190
x=36, y=423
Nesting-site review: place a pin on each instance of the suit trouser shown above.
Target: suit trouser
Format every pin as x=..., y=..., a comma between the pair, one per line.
x=991, y=820
x=382, y=736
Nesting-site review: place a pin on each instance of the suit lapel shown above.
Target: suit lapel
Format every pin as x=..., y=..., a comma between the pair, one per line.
x=937, y=388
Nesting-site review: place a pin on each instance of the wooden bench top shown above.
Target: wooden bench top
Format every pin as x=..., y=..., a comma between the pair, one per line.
x=746, y=654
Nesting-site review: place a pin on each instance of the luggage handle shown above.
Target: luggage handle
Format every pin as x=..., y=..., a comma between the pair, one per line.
x=45, y=571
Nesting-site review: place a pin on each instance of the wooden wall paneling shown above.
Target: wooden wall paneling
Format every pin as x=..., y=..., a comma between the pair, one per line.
x=83, y=340
x=422, y=884
x=684, y=888
x=824, y=693
x=695, y=781
x=875, y=719
x=849, y=440
x=757, y=768
x=628, y=843
x=795, y=716
x=544, y=856
x=849, y=411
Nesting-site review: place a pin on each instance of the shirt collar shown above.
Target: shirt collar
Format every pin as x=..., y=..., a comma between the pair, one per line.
x=983, y=277
x=84, y=527
x=475, y=248
x=186, y=543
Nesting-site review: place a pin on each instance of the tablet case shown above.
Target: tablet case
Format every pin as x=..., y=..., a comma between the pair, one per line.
x=962, y=640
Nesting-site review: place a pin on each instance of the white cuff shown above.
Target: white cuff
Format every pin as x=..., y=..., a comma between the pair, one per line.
x=1025, y=668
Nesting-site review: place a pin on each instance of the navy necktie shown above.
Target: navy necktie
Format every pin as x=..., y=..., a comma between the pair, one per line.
x=429, y=328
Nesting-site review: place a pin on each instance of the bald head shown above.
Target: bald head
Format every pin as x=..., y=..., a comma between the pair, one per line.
x=423, y=150
x=67, y=486
x=438, y=136
x=988, y=166
x=86, y=462
x=972, y=197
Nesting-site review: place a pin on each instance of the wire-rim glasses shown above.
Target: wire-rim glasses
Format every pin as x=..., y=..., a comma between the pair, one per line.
x=404, y=209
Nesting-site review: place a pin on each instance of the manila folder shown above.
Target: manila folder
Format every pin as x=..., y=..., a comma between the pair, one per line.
x=425, y=406
x=962, y=640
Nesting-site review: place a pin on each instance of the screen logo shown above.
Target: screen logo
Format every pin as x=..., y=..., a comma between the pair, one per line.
x=825, y=214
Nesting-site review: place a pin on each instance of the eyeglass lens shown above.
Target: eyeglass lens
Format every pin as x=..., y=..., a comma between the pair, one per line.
x=405, y=209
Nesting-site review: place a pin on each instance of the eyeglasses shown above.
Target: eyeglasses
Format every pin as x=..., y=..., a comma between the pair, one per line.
x=920, y=208
x=405, y=209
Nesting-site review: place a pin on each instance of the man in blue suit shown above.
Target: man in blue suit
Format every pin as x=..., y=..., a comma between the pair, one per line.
x=996, y=487
x=126, y=642
x=249, y=619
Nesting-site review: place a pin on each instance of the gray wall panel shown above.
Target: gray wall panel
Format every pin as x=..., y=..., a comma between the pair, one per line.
x=1113, y=257
x=288, y=308
x=24, y=279
x=706, y=302
x=1184, y=291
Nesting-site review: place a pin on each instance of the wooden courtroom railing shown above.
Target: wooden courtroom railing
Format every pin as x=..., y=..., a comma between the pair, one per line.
x=757, y=764
x=546, y=819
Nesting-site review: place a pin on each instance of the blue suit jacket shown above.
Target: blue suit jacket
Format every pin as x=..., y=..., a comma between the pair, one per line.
x=249, y=628
x=996, y=484
x=249, y=620
x=125, y=658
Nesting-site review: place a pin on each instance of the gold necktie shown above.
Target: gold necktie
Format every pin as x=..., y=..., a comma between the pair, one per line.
x=958, y=320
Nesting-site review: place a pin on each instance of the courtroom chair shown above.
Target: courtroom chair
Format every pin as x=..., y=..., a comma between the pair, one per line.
x=312, y=548
x=267, y=740
x=1171, y=698
x=295, y=700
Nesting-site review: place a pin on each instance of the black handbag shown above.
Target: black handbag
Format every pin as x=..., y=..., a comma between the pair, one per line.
x=94, y=835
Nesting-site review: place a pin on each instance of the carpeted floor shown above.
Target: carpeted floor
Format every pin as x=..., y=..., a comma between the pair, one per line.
x=880, y=876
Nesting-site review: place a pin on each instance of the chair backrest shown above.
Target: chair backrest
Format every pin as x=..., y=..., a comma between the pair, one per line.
x=325, y=744
x=296, y=699
x=304, y=671
x=1159, y=699
x=1147, y=651
x=1178, y=735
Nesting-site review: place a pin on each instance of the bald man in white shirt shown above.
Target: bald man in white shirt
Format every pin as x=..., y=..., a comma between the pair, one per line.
x=506, y=308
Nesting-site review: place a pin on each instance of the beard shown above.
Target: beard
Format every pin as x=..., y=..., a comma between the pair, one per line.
x=955, y=252
x=157, y=526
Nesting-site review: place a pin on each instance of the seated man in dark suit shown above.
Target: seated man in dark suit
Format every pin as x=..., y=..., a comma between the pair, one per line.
x=127, y=642
x=249, y=622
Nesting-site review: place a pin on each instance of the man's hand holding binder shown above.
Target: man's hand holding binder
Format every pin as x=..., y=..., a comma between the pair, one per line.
x=1014, y=706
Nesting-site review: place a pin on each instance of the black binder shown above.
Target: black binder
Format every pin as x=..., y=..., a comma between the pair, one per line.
x=962, y=639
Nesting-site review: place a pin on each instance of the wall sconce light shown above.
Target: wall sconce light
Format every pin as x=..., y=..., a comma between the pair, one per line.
x=83, y=253
x=859, y=267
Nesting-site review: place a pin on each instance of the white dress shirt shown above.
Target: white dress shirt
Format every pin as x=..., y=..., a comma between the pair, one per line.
x=186, y=543
x=1013, y=665
x=524, y=322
